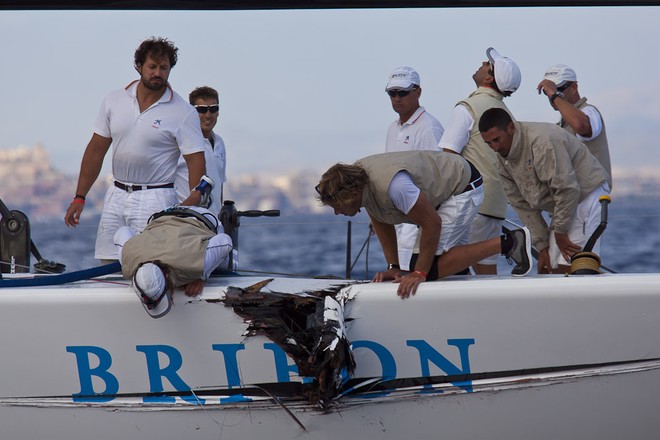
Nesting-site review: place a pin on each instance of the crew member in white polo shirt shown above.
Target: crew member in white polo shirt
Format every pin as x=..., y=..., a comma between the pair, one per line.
x=497, y=78
x=149, y=127
x=205, y=101
x=414, y=129
x=583, y=120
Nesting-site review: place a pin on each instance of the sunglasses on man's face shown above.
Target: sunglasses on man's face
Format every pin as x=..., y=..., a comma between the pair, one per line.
x=399, y=93
x=202, y=109
x=564, y=87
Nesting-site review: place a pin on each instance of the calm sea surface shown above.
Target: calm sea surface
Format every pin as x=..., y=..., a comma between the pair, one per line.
x=317, y=244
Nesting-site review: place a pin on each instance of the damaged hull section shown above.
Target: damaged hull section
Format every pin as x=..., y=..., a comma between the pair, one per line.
x=540, y=357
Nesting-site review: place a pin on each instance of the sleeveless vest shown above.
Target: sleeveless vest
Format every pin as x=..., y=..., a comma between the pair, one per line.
x=437, y=174
x=598, y=146
x=481, y=155
x=177, y=242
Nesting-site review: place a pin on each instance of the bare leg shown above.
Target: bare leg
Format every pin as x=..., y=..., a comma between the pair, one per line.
x=485, y=269
x=460, y=257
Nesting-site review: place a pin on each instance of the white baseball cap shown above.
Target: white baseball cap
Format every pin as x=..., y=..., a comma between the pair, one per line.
x=403, y=78
x=150, y=286
x=507, y=73
x=560, y=74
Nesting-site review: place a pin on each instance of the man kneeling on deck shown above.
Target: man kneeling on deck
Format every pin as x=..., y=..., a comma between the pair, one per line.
x=179, y=247
x=438, y=192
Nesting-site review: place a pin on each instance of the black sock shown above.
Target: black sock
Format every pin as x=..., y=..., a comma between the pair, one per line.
x=506, y=243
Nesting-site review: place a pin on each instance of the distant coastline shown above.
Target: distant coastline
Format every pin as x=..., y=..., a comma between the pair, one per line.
x=30, y=183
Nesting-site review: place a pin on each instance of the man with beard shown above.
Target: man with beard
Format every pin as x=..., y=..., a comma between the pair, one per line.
x=149, y=126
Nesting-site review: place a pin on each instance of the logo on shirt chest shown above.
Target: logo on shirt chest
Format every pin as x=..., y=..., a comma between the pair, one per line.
x=406, y=140
x=156, y=123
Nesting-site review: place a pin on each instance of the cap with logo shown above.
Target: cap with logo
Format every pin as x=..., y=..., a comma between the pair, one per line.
x=403, y=78
x=560, y=74
x=150, y=286
x=507, y=73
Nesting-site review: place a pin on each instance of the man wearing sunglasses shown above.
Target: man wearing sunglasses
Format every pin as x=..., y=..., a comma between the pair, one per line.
x=149, y=126
x=496, y=78
x=583, y=120
x=205, y=101
x=414, y=129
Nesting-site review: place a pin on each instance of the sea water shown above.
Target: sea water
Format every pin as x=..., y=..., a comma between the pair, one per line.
x=313, y=245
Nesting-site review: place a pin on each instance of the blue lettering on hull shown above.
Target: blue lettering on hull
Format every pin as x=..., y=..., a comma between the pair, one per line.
x=163, y=362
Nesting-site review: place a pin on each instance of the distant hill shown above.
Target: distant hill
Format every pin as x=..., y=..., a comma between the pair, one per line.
x=29, y=183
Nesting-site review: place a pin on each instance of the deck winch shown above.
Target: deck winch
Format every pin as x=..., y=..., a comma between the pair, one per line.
x=587, y=262
x=14, y=242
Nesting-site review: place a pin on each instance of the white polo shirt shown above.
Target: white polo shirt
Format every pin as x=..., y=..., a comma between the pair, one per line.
x=146, y=146
x=216, y=165
x=421, y=132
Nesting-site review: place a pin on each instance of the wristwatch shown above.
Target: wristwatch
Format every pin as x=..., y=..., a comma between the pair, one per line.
x=393, y=266
x=556, y=95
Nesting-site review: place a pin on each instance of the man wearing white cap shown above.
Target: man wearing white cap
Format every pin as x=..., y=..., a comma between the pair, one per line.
x=584, y=120
x=497, y=78
x=179, y=247
x=415, y=129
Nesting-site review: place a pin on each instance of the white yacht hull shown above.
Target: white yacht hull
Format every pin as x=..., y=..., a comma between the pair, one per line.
x=541, y=357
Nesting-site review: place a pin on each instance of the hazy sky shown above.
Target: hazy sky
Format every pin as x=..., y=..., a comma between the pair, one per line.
x=305, y=89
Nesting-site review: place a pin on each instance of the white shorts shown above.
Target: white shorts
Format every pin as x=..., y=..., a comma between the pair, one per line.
x=484, y=228
x=456, y=213
x=583, y=224
x=121, y=208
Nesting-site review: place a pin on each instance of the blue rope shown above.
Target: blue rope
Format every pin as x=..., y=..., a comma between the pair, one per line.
x=53, y=280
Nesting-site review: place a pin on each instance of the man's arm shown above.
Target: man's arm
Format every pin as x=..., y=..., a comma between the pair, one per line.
x=90, y=168
x=569, y=113
x=529, y=216
x=387, y=237
x=574, y=117
x=196, y=169
x=424, y=215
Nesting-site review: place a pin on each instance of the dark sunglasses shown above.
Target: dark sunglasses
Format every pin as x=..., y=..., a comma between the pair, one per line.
x=399, y=93
x=202, y=109
x=327, y=197
x=564, y=87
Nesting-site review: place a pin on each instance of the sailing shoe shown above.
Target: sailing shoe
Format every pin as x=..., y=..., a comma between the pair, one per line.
x=521, y=252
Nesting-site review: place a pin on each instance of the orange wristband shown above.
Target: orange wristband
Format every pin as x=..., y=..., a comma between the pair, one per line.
x=78, y=200
x=419, y=272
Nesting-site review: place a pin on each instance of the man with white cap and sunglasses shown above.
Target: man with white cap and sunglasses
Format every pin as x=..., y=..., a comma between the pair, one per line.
x=496, y=78
x=179, y=247
x=583, y=120
x=415, y=129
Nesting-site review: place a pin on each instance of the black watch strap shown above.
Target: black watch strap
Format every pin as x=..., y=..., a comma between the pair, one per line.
x=556, y=95
x=393, y=266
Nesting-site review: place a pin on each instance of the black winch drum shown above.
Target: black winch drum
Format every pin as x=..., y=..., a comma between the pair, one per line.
x=15, y=243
